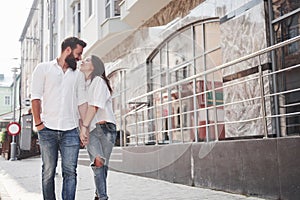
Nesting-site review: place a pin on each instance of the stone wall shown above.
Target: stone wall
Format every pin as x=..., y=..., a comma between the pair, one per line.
x=266, y=168
x=139, y=38
x=176, y=8
x=249, y=36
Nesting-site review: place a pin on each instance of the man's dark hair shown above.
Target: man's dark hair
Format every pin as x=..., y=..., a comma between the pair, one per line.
x=72, y=42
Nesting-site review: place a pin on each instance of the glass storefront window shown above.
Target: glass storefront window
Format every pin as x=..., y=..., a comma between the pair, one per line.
x=199, y=45
x=180, y=48
x=212, y=36
x=283, y=7
x=286, y=25
x=182, y=106
x=213, y=59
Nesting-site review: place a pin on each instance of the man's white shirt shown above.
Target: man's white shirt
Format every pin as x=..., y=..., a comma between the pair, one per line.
x=60, y=93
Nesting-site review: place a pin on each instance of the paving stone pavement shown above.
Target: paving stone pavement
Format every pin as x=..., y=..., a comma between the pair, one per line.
x=21, y=180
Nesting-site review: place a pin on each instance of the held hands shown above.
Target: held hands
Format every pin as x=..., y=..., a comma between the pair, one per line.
x=84, y=135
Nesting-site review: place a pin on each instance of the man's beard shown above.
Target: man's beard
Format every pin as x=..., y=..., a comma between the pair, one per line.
x=71, y=61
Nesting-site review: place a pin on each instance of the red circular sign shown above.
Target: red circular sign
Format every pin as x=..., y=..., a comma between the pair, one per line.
x=13, y=128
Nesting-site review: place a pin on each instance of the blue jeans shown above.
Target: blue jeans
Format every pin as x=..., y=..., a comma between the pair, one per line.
x=102, y=140
x=68, y=144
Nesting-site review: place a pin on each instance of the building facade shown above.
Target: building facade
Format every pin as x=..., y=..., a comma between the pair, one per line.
x=6, y=95
x=202, y=89
x=9, y=96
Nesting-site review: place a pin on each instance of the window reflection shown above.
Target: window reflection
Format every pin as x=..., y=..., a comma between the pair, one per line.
x=179, y=106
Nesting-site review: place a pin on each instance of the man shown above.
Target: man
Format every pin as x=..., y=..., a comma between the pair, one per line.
x=57, y=94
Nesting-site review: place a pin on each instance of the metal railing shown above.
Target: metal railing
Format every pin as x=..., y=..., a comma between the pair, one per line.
x=150, y=125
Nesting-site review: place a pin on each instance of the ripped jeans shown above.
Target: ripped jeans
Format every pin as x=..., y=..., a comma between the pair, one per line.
x=101, y=143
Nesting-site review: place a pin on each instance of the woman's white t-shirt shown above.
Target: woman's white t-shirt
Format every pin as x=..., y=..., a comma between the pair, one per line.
x=99, y=95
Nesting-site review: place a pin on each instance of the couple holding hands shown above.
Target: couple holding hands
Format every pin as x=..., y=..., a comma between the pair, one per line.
x=70, y=108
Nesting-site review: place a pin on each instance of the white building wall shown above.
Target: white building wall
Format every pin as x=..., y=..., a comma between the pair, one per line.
x=45, y=32
x=31, y=49
x=90, y=28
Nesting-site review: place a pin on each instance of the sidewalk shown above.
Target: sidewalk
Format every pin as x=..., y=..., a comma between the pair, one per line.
x=21, y=180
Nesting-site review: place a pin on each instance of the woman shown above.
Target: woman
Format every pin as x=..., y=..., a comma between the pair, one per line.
x=98, y=130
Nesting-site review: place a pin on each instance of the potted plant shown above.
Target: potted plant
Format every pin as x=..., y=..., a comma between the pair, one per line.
x=5, y=143
x=2, y=139
x=3, y=134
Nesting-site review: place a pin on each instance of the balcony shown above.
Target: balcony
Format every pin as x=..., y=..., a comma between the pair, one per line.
x=112, y=26
x=136, y=12
x=112, y=32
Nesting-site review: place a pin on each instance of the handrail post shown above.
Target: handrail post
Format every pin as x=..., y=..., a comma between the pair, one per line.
x=262, y=98
x=136, y=128
x=180, y=114
x=125, y=131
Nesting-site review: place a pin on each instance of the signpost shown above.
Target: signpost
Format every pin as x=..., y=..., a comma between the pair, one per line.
x=13, y=129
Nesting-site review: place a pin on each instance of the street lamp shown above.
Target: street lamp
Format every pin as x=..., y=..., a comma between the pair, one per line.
x=13, y=144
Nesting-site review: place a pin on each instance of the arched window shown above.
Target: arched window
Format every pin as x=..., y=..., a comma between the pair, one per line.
x=191, y=50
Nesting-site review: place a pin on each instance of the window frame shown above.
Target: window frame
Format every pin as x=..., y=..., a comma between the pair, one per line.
x=7, y=100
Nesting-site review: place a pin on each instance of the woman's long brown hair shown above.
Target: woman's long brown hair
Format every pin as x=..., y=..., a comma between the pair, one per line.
x=99, y=70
